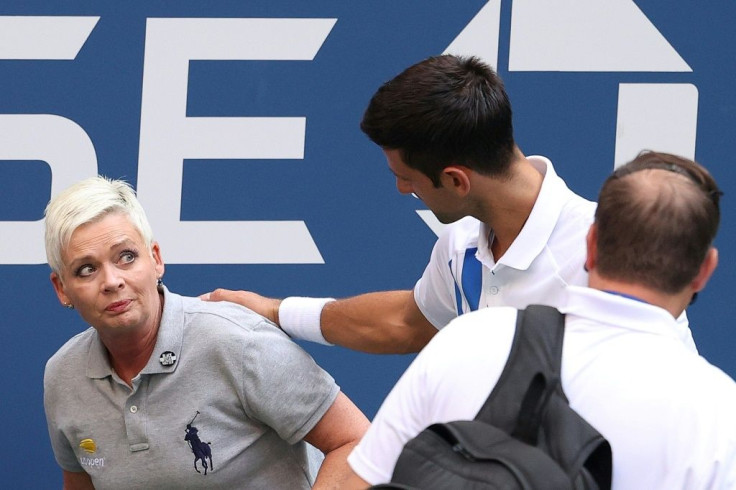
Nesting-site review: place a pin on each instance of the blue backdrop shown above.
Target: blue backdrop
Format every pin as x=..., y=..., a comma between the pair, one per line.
x=238, y=124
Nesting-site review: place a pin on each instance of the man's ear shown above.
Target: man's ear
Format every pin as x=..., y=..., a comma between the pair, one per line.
x=591, y=241
x=706, y=270
x=59, y=288
x=456, y=178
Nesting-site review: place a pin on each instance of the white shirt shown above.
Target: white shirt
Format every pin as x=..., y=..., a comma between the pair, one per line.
x=669, y=415
x=546, y=256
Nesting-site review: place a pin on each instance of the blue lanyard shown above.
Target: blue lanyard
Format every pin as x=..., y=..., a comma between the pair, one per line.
x=623, y=295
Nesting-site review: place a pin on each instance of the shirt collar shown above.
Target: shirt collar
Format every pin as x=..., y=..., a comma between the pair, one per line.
x=170, y=335
x=169, y=340
x=98, y=365
x=620, y=312
x=538, y=227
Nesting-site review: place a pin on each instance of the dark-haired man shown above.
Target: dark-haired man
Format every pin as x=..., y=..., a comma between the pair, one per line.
x=517, y=233
x=667, y=412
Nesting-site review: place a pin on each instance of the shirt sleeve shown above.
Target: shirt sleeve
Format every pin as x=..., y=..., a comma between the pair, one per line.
x=462, y=362
x=434, y=293
x=63, y=452
x=283, y=386
x=399, y=419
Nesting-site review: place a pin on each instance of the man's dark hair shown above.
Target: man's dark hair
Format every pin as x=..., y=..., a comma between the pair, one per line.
x=657, y=217
x=445, y=110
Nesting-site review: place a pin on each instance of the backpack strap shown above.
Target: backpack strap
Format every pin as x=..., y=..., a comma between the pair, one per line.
x=532, y=367
x=528, y=401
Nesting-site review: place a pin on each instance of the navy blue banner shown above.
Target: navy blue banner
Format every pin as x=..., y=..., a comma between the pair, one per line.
x=237, y=122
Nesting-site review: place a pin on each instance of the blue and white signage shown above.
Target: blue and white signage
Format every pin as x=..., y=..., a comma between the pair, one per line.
x=238, y=124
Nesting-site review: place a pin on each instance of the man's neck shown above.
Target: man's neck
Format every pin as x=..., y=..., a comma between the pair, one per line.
x=505, y=204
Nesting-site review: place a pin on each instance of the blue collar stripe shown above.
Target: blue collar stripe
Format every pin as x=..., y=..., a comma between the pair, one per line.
x=472, y=278
x=624, y=295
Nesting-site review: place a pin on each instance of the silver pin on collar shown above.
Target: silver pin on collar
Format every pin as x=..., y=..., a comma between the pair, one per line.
x=168, y=358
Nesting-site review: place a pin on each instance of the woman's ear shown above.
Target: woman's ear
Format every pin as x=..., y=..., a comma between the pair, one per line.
x=157, y=259
x=59, y=288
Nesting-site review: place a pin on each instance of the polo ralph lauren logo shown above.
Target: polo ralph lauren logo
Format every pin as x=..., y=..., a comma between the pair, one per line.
x=201, y=450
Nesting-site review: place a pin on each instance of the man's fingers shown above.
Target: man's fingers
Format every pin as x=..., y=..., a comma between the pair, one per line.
x=219, y=294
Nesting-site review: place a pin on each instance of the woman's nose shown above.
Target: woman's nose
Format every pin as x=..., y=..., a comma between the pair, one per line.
x=111, y=279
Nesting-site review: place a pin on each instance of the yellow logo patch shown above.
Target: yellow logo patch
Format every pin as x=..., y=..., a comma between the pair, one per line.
x=88, y=445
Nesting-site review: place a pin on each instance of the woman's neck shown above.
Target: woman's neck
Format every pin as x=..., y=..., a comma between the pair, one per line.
x=130, y=351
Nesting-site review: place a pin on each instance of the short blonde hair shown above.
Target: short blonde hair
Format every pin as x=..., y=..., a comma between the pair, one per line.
x=85, y=202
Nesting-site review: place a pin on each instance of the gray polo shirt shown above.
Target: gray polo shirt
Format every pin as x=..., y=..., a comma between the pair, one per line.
x=220, y=375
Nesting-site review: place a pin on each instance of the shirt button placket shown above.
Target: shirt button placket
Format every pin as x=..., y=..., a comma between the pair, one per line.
x=135, y=420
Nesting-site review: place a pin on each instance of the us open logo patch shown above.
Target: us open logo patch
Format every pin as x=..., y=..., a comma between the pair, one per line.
x=89, y=446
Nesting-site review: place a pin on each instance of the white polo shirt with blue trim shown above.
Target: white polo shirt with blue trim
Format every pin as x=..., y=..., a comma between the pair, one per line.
x=547, y=256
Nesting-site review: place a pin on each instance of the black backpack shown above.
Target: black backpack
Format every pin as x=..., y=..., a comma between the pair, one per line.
x=525, y=436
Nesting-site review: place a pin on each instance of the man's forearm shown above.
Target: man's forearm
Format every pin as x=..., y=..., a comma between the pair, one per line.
x=387, y=322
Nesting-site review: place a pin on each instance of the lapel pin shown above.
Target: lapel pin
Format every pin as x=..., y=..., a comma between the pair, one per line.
x=168, y=358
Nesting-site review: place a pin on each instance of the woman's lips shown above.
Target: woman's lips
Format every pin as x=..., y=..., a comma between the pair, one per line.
x=117, y=306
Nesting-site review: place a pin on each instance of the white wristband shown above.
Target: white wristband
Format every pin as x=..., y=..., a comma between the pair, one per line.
x=300, y=318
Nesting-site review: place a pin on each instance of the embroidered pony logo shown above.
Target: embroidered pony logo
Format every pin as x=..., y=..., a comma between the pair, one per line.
x=200, y=449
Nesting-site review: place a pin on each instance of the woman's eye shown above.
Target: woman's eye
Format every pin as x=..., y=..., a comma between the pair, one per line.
x=85, y=270
x=128, y=257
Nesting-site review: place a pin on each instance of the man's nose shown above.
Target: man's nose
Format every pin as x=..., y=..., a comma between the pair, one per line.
x=404, y=187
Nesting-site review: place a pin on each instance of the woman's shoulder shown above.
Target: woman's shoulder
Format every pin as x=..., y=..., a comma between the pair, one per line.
x=223, y=317
x=72, y=354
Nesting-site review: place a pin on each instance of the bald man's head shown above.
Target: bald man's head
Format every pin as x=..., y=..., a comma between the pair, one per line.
x=656, y=219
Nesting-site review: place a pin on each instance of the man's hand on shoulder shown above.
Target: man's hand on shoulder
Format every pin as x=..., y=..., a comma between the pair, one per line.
x=267, y=307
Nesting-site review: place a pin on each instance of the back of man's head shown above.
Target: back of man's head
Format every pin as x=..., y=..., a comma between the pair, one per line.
x=656, y=219
x=445, y=110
